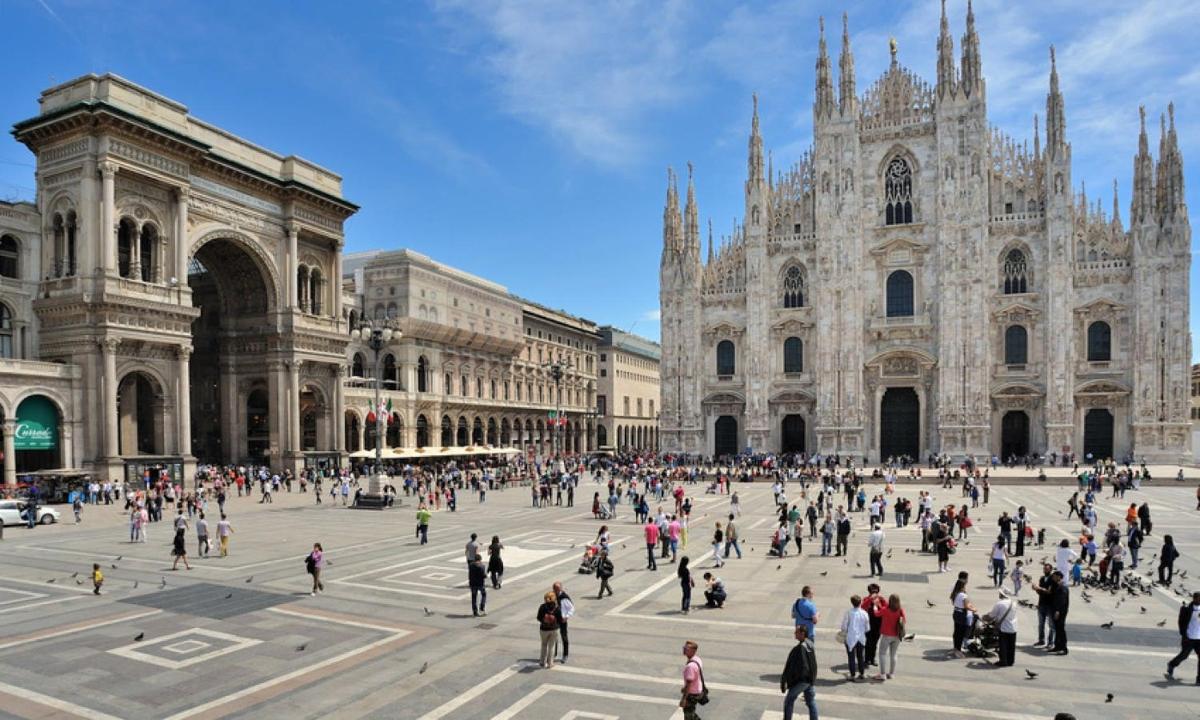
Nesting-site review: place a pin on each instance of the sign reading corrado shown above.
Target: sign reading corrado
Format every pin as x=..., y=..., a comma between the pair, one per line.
x=31, y=435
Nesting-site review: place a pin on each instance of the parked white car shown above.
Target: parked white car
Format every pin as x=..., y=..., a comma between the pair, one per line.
x=12, y=512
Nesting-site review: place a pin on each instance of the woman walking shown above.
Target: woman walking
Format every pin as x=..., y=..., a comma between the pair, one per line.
x=548, y=626
x=604, y=571
x=718, y=538
x=891, y=632
x=854, y=629
x=316, y=563
x=180, y=550
x=495, y=564
x=999, y=556
x=1166, y=560
x=685, y=583
x=964, y=612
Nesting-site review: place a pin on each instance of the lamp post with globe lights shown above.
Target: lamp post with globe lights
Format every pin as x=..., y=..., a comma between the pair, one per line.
x=376, y=335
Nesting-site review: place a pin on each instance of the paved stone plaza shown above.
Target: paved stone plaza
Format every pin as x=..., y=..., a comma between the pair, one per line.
x=241, y=637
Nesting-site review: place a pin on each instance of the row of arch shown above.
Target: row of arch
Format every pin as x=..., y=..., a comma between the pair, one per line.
x=634, y=437
x=463, y=432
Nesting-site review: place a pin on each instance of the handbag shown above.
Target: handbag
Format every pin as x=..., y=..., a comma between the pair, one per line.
x=900, y=627
x=702, y=699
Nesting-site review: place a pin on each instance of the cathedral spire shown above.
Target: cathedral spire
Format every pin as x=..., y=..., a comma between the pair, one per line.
x=710, y=245
x=1037, y=138
x=691, y=228
x=1116, y=218
x=1170, y=163
x=846, y=96
x=972, y=73
x=754, y=160
x=1056, y=124
x=945, y=65
x=1142, y=202
x=671, y=220
x=823, y=107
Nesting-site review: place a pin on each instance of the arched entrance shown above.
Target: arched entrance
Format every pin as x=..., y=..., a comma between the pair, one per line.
x=900, y=423
x=422, y=431
x=37, y=439
x=1098, y=434
x=1014, y=434
x=462, y=438
x=793, y=434
x=725, y=436
x=139, y=415
x=352, y=428
x=312, y=409
x=601, y=436
x=235, y=296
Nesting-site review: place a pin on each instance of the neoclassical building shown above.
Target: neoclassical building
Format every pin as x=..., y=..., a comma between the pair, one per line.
x=177, y=294
x=628, y=402
x=920, y=282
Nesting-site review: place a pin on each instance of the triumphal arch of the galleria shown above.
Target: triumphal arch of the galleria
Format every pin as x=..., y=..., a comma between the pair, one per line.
x=193, y=278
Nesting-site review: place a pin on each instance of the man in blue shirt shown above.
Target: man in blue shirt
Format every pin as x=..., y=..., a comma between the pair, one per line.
x=804, y=612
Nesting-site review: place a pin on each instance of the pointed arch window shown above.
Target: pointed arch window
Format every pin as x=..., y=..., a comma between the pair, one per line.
x=1099, y=342
x=793, y=287
x=1015, y=273
x=900, y=294
x=1016, y=345
x=898, y=192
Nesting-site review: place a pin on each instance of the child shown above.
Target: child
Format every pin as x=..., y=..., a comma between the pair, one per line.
x=1077, y=572
x=1041, y=537
x=1017, y=574
x=97, y=578
x=1090, y=547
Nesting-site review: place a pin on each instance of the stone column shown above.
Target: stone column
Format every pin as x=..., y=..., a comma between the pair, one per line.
x=184, y=400
x=293, y=265
x=108, y=347
x=108, y=211
x=294, y=442
x=10, y=451
x=339, y=409
x=181, y=230
x=135, y=253
x=336, y=305
x=67, y=443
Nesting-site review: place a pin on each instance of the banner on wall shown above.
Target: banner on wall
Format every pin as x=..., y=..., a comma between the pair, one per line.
x=37, y=425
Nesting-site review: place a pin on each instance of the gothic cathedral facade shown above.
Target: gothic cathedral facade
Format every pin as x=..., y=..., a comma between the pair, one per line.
x=921, y=283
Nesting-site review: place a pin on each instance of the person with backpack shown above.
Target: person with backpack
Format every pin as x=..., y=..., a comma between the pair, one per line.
x=477, y=582
x=694, y=691
x=566, y=611
x=1189, y=637
x=314, y=563
x=547, y=617
x=799, y=674
x=804, y=612
x=604, y=571
x=1133, y=542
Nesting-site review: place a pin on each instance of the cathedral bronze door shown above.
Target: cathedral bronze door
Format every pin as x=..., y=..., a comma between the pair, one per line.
x=726, y=440
x=793, y=434
x=899, y=424
x=1098, y=434
x=1014, y=434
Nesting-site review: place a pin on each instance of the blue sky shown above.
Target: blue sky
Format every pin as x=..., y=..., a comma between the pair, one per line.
x=528, y=142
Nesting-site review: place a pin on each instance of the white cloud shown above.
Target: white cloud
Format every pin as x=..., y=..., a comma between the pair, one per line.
x=654, y=315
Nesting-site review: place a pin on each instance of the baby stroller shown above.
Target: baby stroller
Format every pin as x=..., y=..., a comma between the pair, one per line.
x=591, y=557
x=984, y=639
x=605, y=512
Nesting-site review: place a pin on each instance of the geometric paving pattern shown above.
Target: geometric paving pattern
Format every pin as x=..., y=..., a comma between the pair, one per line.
x=210, y=600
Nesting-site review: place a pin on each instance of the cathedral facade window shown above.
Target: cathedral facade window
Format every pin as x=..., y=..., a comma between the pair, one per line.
x=1099, y=342
x=793, y=355
x=1016, y=345
x=900, y=294
x=726, y=364
x=898, y=192
x=793, y=287
x=1014, y=273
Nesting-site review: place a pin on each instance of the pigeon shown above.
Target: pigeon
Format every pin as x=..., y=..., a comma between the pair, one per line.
x=229, y=596
x=1108, y=698
x=139, y=636
x=428, y=612
x=135, y=584
x=1107, y=626
x=824, y=573
x=1161, y=623
x=845, y=561
x=857, y=564
x=1031, y=674
x=114, y=566
x=622, y=546
x=78, y=582
x=424, y=667
x=50, y=580
x=910, y=637
x=778, y=567
x=250, y=579
x=74, y=574
x=118, y=558
x=164, y=583
x=300, y=648
x=1143, y=607
x=930, y=604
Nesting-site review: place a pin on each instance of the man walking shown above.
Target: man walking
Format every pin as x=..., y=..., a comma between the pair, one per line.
x=843, y=532
x=423, y=516
x=693, y=681
x=731, y=538
x=1189, y=637
x=799, y=674
x=651, y=530
x=564, y=613
x=875, y=544
x=202, y=536
x=1062, y=603
x=804, y=612
x=476, y=576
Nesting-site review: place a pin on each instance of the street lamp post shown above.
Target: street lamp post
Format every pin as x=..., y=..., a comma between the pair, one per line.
x=557, y=371
x=590, y=430
x=377, y=338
